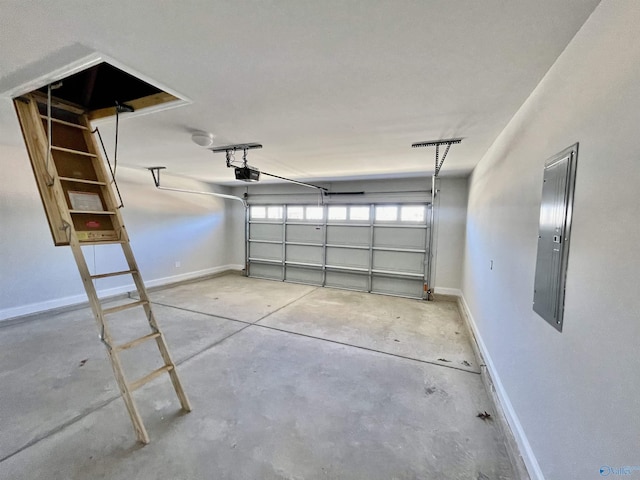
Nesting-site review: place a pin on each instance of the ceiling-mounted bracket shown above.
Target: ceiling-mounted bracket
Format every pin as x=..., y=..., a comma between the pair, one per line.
x=431, y=143
x=244, y=171
x=124, y=108
x=247, y=173
x=234, y=148
x=429, y=273
x=230, y=150
x=155, y=172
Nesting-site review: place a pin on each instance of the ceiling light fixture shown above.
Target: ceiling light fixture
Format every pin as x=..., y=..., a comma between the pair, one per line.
x=204, y=139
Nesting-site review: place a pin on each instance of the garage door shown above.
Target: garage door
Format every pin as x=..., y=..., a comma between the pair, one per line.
x=378, y=248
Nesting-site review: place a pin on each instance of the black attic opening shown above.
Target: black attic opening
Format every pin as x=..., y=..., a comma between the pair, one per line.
x=101, y=86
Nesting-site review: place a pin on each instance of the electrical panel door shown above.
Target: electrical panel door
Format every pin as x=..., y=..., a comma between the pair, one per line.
x=553, y=236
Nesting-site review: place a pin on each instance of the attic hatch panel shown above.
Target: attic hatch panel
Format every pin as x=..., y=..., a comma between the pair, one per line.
x=98, y=88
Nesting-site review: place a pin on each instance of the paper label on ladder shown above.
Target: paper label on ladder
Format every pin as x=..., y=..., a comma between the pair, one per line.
x=87, y=201
x=97, y=236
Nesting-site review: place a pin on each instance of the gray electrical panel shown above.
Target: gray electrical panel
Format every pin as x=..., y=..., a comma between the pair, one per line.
x=554, y=234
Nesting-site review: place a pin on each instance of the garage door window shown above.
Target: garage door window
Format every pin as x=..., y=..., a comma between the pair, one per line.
x=258, y=212
x=315, y=213
x=295, y=213
x=412, y=213
x=337, y=213
x=386, y=213
x=359, y=213
x=274, y=213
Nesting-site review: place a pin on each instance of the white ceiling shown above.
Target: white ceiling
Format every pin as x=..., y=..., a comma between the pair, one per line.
x=332, y=88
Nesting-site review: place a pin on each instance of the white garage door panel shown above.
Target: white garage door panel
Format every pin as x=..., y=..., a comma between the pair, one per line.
x=399, y=237
x=398, y=261
x=305, y=233
x=261, y=270
x=265, y=231
x=372, y=248
x=343, y=235
x=397, y=286
x=304, y=275
x=352, y=281
x=305, y=254
x=349, y=257
x=270, y=251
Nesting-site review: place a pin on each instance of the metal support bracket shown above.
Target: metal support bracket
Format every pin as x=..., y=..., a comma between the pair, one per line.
x=428, y=282
x=155, y=173
x=111, y=169
x=245, y=147
x=102, y=337
x=436, y=143
x=236, y=147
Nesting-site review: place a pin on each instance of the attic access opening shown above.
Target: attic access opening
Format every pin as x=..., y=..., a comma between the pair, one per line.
x=56, y=114
x=98, y=89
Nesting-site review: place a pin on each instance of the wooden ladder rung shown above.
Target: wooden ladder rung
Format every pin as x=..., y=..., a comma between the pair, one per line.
x=126, y=306
x=62, y=122
x=147, y=378
x=113, y=274
x=57, y=103
x=93, y=212
x=136, y=342
x=82, y=180
x=70, y=150
x=100, y=242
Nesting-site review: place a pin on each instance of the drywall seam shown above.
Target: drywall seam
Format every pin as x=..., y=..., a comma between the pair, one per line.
x=32, y=308
x=503, y=401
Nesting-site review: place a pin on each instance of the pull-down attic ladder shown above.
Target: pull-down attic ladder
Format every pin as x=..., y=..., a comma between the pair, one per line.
x=77, y=194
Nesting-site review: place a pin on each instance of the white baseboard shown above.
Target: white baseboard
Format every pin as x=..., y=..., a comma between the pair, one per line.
x=524, y=447
x=23, y=310
x=73, y=300
x=158, y=282
x=447, y=291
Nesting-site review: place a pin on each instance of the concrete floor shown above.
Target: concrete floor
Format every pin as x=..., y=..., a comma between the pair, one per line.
x=286, y=381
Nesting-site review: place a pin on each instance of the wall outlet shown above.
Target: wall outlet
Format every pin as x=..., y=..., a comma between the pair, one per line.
x=178, y=264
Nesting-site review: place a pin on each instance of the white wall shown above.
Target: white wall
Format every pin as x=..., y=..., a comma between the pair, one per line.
x=205, y=234
x=573, y=397
x=451, y=217
x=164, y=228
x=451, y=222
